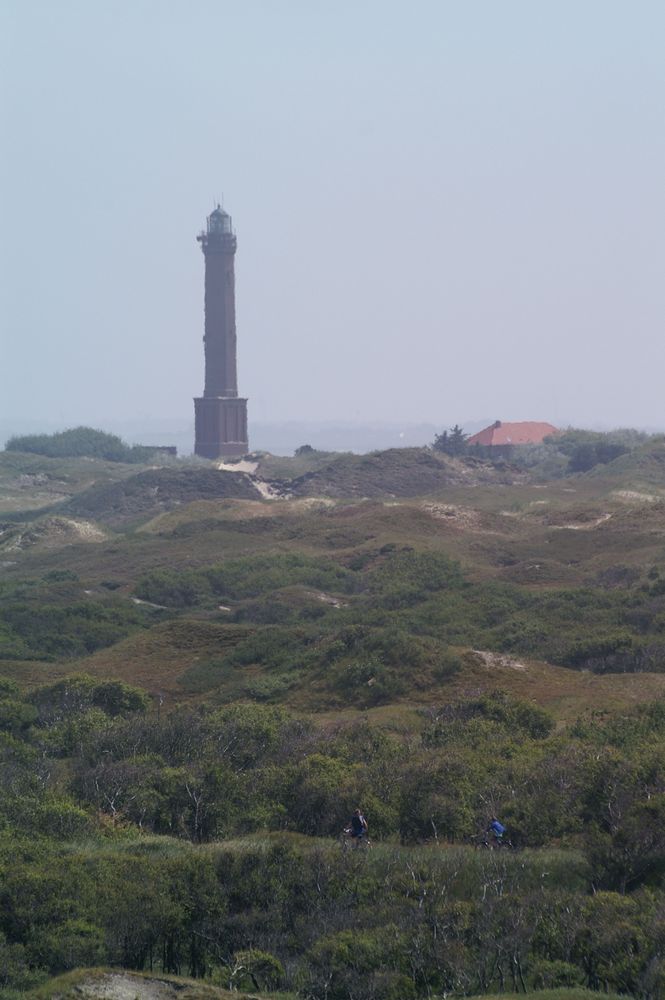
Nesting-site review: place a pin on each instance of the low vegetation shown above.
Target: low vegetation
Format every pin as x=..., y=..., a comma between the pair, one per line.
x=212, y=833
x=573, y=450
x=81, y=442
x=191, y=708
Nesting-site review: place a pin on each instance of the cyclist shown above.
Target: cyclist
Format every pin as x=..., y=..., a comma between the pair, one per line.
x=497, y=831
x=357, y=827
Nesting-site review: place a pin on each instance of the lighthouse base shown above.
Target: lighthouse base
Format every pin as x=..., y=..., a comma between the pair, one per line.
x=220, y=426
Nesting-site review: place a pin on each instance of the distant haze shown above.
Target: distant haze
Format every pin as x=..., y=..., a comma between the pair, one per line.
x=445, y=211
x=280, y=438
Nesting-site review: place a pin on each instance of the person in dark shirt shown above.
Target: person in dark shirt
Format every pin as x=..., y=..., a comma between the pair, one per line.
x=358, y=827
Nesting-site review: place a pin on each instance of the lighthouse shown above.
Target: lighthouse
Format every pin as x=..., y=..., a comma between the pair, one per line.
x=220, y=414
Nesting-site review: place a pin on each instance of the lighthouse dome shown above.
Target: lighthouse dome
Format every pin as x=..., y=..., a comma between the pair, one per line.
x=219, y=222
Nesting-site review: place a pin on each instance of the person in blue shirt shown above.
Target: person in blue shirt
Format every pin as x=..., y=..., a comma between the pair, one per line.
x=497, y=830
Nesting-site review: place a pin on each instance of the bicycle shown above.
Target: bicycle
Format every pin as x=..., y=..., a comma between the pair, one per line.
x=492, y=843
x=350, y=843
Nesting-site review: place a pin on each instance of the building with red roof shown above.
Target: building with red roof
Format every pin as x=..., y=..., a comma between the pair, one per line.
x=502, y=435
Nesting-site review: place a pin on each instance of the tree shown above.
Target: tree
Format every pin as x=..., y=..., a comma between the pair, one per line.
x=451, y=442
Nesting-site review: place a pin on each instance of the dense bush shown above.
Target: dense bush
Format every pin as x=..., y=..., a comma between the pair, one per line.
x=405, y=609
x=34, y=629
x=400, y=609
x=573, y=450
x=80, y=442
x=585, y=449
x=238, y=579
x=285, y=914
x=417, y=914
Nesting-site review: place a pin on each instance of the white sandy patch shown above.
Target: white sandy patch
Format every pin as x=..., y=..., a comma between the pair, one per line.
x=267, y=491
x=524, y=512
x=499, y=660
x=54, y=532
x=249, y=468
x=327, y=599
x=458, y=517
x=123, y=986
x=582, y=525
x=87, y=531
x=243, y=466
x=448, y=511
x=148, y=604
x=313, y=502
x=634, y=495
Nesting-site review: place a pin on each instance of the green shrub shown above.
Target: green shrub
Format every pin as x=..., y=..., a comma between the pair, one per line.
x=447, y=665
x=68, y=945
x=255, y=969
x=78, y=693
x=173, y=589
x=369, y=682
x=205, y=675
x=267, y=688
x=517, y=719
x=240, y=579
x=80, y=442
x=16, y=972
x=38, y=630
x=60, y=576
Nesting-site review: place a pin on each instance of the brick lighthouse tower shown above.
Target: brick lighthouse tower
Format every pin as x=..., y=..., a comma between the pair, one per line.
x=220, y=414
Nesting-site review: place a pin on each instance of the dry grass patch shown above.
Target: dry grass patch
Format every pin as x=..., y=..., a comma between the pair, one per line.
x=156, y=659
x=566, y=694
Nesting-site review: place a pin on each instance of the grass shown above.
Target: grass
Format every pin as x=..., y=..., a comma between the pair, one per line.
x=399, y=472
x=30, y=482
x=282, y=467
x=563, y=993
x=564, y=867
x=496, y=531
x=157, y=659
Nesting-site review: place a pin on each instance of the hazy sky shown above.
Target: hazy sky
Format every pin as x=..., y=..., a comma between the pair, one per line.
x=445, y=209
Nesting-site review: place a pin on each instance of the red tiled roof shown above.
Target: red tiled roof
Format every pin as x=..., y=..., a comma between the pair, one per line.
x=525, y=432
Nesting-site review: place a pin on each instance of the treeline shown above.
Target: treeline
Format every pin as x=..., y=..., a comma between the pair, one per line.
x=112, y=815
x=280, y=913
x=81, y=442
x=573, y=450
x=214, y=772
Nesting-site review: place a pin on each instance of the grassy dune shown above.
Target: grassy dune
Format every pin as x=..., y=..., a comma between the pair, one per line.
x=604, y=529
